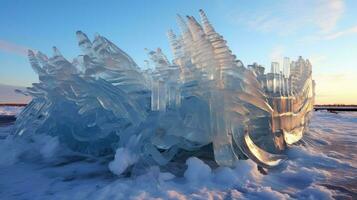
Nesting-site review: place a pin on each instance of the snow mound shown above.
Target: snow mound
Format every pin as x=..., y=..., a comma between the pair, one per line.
x=197, y=170
x=122, y=160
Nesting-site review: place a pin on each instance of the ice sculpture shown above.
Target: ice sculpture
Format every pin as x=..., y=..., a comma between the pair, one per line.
x=205, y=100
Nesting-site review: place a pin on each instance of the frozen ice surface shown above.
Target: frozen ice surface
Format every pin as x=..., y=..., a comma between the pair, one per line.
x=10, y=110
x=203, y=101
x=322, y=166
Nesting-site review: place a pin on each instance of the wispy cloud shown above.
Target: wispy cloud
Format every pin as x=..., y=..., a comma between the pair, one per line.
x=328, y=13
x=338, y=34
x=329, y=36
x=13, y=48
x=284, y=17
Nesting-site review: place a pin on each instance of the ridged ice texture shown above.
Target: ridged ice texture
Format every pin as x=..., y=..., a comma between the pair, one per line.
x=85, y=109
x=204, y=101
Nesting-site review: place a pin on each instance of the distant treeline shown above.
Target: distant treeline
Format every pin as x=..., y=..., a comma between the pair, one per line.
x=13, y=104
x=336, y=105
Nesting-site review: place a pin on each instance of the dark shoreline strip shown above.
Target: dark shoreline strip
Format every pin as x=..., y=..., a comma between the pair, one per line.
x=13, y=104
x=336, y=109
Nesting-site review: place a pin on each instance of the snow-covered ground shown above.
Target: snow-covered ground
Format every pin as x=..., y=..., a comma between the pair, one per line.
x=10, y=110
x=322, y=166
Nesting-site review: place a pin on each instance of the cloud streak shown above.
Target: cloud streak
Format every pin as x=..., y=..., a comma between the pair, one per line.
x=13, y=48
x=328, y=13
x=342, y=33
x=285, y=17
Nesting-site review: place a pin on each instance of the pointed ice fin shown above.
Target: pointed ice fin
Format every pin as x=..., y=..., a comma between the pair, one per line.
x=83, y=42
x=34, y=62
x=207, y=27
x=56, y=52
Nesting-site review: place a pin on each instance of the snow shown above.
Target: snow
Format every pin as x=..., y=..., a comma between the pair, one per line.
x=122, y=160
x=197, y=170
x=39, y=146
x=321, y=167
x=50, y=147
x=10, y=110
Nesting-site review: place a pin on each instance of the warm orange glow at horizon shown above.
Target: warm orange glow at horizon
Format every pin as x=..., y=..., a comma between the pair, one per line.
x=336, y=88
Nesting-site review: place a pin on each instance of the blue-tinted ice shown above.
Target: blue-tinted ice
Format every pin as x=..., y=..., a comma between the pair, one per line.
x=102, y=100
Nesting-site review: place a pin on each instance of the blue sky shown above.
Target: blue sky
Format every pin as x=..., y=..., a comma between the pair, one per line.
x=325, y=31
